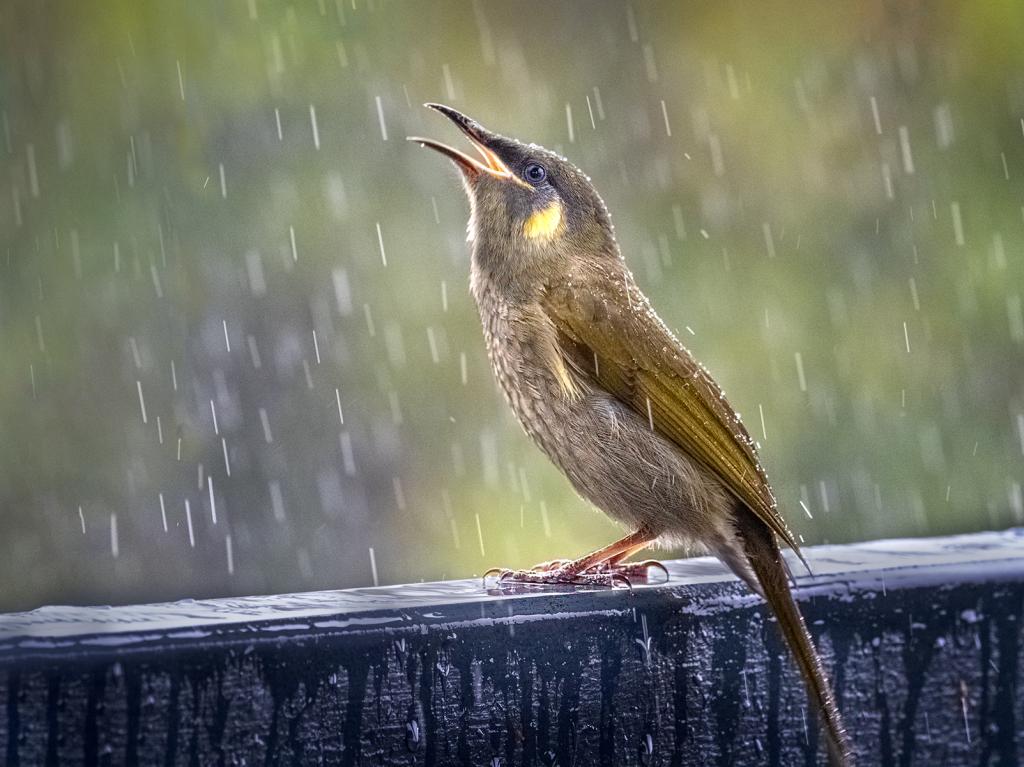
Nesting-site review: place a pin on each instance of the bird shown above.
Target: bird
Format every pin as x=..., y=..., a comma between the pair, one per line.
x=635, y=423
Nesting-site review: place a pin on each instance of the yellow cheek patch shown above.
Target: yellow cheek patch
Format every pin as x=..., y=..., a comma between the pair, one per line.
x=544, y=224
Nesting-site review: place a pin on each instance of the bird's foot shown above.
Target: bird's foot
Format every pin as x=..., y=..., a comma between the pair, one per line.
x=560, y=572
x=556, y=576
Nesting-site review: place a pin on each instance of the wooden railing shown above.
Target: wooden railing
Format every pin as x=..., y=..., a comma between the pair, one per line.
x=923, y=638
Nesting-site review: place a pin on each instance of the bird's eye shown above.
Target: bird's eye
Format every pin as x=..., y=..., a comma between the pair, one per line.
x=535, y=173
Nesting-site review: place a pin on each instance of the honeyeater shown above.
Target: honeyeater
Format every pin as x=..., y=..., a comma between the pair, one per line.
x=637, y=425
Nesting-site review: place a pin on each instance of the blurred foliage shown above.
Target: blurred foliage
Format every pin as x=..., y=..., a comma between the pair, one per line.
x=824, y=200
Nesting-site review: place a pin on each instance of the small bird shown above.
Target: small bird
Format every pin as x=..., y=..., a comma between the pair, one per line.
x=596, y=379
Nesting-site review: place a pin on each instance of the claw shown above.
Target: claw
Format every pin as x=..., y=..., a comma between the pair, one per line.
x=499, y=571
x=619, y=577
x=656, y=564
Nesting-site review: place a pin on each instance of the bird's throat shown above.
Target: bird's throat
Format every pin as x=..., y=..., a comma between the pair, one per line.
x=545, y=223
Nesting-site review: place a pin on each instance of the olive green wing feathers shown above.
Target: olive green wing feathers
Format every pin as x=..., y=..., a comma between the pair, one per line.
x=608, y=331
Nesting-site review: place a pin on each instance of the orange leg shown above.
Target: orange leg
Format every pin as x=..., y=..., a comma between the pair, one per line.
x=630, y=570
x=599, y=568
x=618, y=558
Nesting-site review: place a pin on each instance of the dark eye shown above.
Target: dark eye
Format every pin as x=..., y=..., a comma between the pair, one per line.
x=535, y=173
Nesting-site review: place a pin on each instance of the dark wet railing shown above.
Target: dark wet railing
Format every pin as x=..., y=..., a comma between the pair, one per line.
x=923, y=638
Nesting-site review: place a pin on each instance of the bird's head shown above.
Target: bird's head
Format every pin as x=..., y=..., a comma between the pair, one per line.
x=532, y=211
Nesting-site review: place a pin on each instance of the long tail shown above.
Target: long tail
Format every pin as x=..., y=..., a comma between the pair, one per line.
x=766, y=561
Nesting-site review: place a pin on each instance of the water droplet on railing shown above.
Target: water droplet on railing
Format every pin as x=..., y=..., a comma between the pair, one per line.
x=646, y=750
x=412, y=735
x=444, y=667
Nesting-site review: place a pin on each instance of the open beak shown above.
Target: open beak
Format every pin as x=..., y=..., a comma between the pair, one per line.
x=480, y=137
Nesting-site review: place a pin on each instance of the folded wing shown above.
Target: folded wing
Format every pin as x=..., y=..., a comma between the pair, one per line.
x=608, y=331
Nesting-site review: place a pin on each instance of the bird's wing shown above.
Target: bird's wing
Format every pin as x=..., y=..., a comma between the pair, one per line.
x=608, y=331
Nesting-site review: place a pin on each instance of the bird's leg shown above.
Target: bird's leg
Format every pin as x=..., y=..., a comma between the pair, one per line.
x=623, y=555
x=612, y=564
x=591, y=570
x=630, y=570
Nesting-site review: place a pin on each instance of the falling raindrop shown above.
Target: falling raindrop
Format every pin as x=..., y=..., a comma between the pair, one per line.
x=380, y=117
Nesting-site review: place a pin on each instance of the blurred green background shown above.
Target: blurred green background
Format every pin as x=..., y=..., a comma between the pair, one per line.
x=824, y=200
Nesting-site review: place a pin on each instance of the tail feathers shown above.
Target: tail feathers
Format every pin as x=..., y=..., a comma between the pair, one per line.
x=765, y=559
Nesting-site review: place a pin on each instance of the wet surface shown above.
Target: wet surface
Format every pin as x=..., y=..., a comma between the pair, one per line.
x=922, y=637
x=836, y=571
